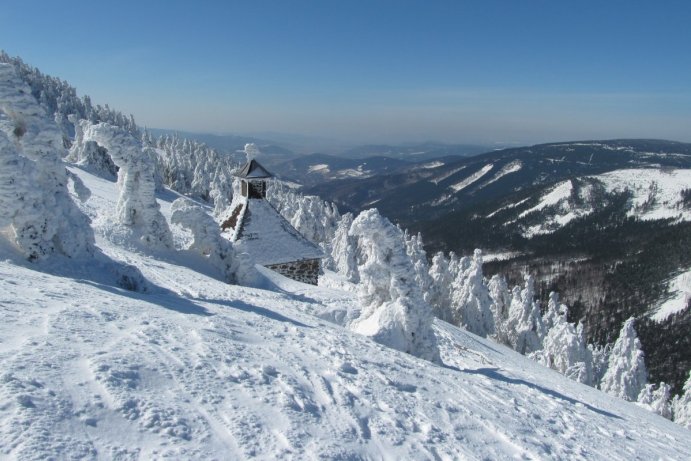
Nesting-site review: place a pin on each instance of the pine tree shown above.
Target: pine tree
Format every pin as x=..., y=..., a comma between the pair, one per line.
x=344, y=248
x=470, y=300
x=564, y=347
x=524, y=327
x=657, y=399
x=681, y=406
x=394, y=312
x=501, y=302
x=439, y=293
x=626, y=373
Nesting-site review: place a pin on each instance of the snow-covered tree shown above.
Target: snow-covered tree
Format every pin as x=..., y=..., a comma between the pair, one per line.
x=208, y=242
x=564, y=347
x=439, y=293
x=344, y=249
x=393, y=312
x=600, y=356
x=681, y=405
x=34, y=199
x=59, y=100
x=137, y=207
x=524, y=327
x=89, y=154
x=501, y=302
x=626, y=373
x=416, y=252
x=656, y=399
x=194, y=169
x=470, y=299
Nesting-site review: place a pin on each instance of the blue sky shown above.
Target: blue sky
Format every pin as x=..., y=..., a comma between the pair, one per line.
x=373, y=71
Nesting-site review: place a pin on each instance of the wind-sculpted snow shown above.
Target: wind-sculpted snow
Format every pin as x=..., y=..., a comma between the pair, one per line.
x=137, y=207
x=199, y=369
x=34, y=199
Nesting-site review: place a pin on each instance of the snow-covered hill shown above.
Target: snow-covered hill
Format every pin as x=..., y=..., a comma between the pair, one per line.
x=655, y=194
x=198, y=369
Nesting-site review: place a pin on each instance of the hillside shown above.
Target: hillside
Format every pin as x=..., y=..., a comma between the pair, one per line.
x=604, y=223
x=196, y=368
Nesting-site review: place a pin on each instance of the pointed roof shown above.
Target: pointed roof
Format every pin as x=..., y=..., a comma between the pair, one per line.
x=259, y=230
x=253, y=170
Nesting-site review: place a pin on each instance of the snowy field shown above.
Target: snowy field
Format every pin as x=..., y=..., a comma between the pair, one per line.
x=198, y=369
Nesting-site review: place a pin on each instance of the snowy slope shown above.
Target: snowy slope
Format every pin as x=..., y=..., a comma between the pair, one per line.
x=655, y=194
x=197, y=369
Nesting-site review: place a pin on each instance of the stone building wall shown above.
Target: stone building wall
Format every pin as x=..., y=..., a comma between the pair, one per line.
x=305, y=271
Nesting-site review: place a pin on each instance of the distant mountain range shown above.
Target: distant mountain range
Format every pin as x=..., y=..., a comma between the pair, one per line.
x=286, y=154
x=605, y=223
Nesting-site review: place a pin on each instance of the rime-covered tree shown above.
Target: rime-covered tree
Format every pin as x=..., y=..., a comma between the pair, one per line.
x=564, y=347
x=416, y=252
x=656, y=399
x=89, y=155
x=501, y=302
x=137, y=207
x=439, y=293
x=393, y=312
x=60, y=101
x=600, y=356
x=313, y=217
x=681, y=405
x=344, y=249
x=194, y=169
x=626, y=373
x=34, y=199
x=208, y=242
x=524, y=326
x=470, y=299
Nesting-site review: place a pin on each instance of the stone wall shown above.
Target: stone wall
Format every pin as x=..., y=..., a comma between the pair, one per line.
x=305, y=271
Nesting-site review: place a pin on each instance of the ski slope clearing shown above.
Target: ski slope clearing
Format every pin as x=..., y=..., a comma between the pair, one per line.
x=198, y=369
x=472, y=178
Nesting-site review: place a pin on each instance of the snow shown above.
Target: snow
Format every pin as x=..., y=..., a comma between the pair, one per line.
x=680, y=289
x=472, y=178
x=199, y=369
x=507, y=169
x=431, y=165
x=509, y=206
x=267, y=237
x=561, y=191
x=443, y=176
x=320, y=168
x=656, y=192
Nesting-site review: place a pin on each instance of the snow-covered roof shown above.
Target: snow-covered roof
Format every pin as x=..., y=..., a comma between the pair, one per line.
x=266, y=236
x=253, y=170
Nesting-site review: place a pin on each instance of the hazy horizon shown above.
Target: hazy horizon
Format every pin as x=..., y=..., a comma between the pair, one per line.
x=391, y=72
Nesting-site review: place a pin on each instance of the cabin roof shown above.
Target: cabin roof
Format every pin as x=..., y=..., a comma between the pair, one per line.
x=254, y=170
x=260, y=231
